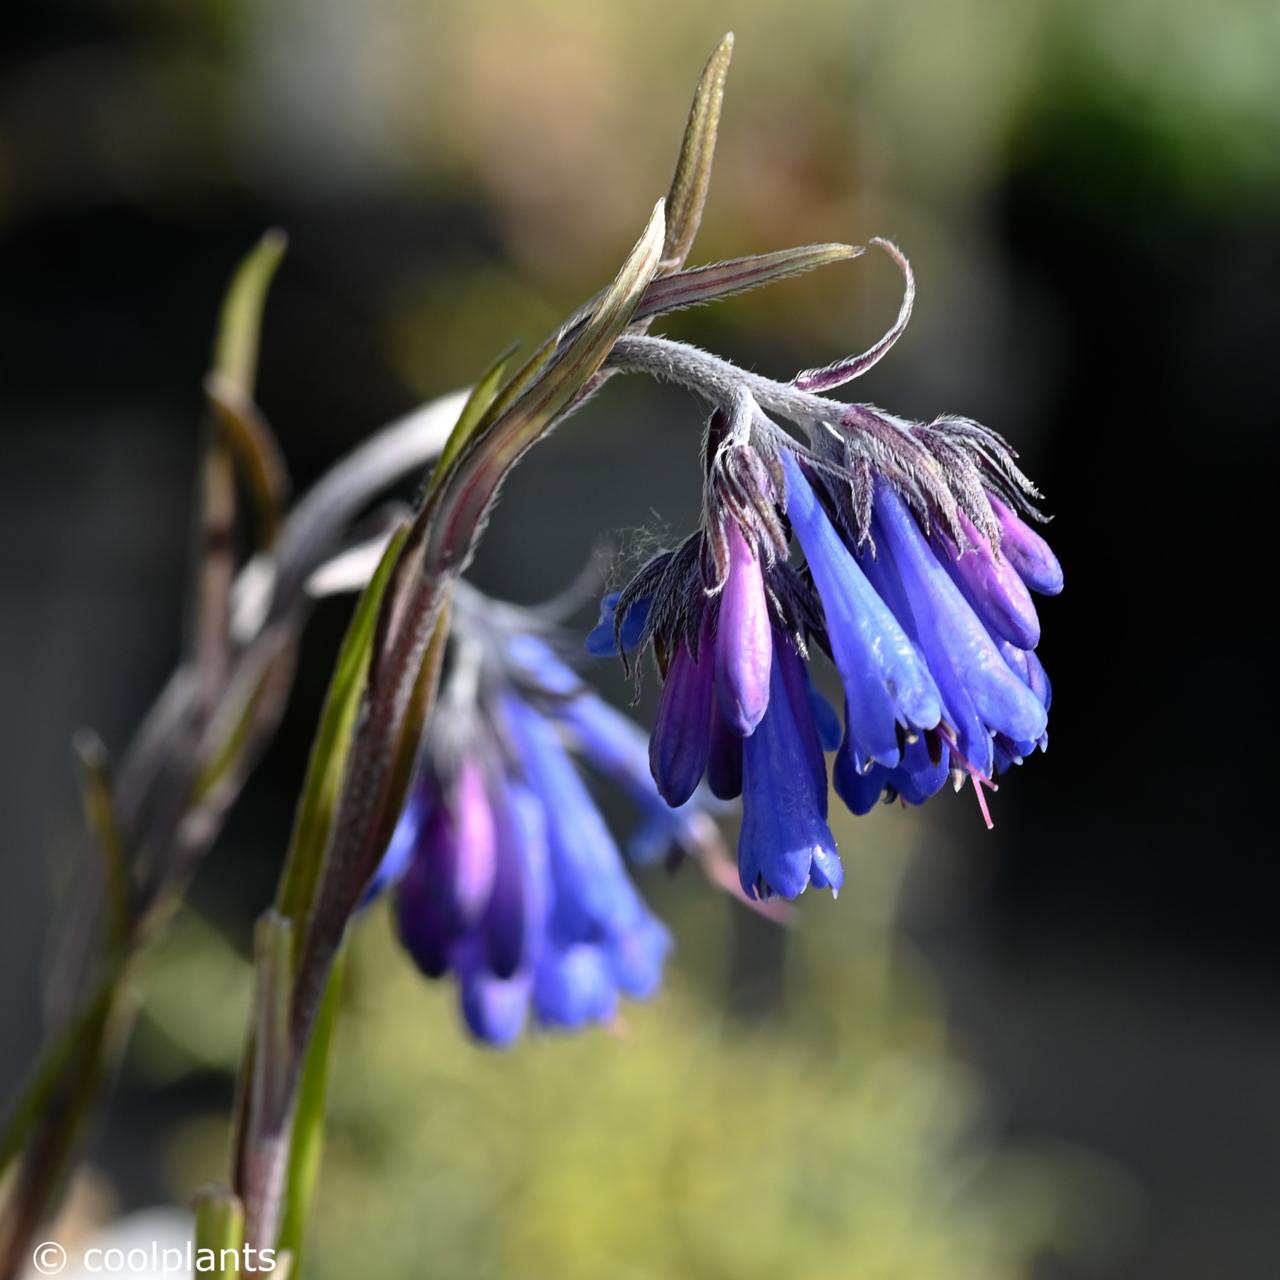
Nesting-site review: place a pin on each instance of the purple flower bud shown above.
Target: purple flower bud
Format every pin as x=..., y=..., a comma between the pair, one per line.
x=422, y=915
x=469, y=880
x=515, y=919
x=744, y=638
x=982, y=695
x=678, y=747
x=991, y=585
x=1027, y=551
x=446, y=883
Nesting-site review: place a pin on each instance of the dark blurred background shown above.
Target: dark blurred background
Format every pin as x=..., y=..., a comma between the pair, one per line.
x=1053, y=1049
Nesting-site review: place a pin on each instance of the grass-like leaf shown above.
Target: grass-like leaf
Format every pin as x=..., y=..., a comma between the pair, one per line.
x=692, y=177
x=697, y=285
x=235, y=356
x=255, y=451
x=219, y=1227
x=307, y=1139
x=327, y=764
x=473, y=412
x=104, y=831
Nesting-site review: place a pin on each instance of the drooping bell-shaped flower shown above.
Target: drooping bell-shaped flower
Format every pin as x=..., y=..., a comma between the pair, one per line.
x=681, y=732
x=786, y=843
x=506, y=875
x=737, y=707
x=913, y=572
x=744, y=639
x=887, y=685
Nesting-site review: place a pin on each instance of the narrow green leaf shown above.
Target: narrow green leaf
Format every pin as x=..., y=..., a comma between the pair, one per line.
x=696, y=285
x=82, y=1036
x=255, y=451
x=528, y=372
x=235, y=356
x=307, y=1143
x=104, y=830
x=405, y=752
x=473, y=412
x=229, y=753
x=692, y=177
x=273, y=969
x=329, y=751
x=219, y=1233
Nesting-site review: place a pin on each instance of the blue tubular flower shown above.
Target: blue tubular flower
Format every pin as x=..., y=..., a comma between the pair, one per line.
x=595, y=902
x=983, y=696
x=507, y=877
x=886, y=683
x=444, y=852
x=514, y=921
x=682, y=732
x=785, y=841
x=607, y=638
x=917, y=577
x=924, y=769
x=731, y=619
x=619, y=749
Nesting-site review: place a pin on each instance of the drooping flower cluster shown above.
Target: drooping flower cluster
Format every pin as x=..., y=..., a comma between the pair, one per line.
x=506, y=874
x=916, y=577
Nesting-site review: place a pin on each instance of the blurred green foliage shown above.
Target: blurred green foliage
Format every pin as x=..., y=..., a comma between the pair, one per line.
x=822, y=1130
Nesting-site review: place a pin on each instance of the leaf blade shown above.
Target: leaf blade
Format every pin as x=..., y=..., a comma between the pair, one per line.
x=692, y=178
x=327, y=763
x=473, y=412
x=235, y=353
x=306, y=1147
x=698, y=285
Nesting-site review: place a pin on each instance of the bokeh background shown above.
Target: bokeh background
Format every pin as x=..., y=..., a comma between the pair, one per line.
x=1049, y=1050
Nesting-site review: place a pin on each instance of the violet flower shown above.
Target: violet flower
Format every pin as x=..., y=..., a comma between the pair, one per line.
x=916, y=576
x=505, y=875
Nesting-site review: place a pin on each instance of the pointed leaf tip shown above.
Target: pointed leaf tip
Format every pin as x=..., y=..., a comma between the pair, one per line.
x=692, y=176
x=696, y=285
x=235, y=356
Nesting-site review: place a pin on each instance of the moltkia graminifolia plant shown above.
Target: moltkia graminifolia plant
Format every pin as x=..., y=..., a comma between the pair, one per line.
x=446, y=767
